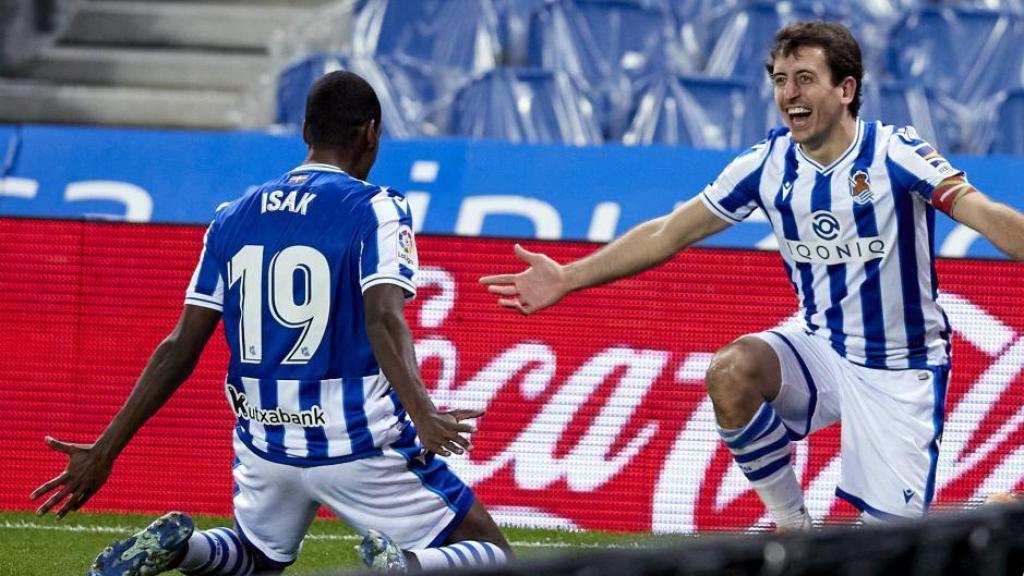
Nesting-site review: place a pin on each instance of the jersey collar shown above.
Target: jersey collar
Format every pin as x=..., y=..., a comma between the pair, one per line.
x=853, y=146
x=317, y=167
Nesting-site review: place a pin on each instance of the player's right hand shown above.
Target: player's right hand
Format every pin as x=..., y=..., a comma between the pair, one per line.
x=442, y=432
x=85, y=473
x=533, y=289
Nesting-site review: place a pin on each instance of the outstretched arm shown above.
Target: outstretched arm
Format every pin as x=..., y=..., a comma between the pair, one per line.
x=546, y=282
x=391, y=340
x=998, y=223
x=171, y=363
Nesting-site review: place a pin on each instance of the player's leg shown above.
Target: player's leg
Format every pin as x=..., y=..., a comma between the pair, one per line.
x=219, y=551
x=171, y=542
x=476, y=540
x=892, y=422
x=765, y=389
x=413, y=509
x=272, y=514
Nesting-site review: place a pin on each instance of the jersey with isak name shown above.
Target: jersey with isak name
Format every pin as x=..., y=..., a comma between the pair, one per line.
x=287, y=264
x=856, y=238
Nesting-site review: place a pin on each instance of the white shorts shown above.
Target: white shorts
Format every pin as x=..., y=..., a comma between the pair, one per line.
x=892, y=421
x=406, y=493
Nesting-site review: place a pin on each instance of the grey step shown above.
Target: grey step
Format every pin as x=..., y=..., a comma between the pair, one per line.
x=181, y=24
x=153, y=68
x=34, y=102
x=287, y=3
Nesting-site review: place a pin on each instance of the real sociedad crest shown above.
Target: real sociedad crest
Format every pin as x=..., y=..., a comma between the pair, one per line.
x=860, y=187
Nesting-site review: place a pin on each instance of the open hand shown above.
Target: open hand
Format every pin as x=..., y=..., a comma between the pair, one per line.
x=442, y=432
x=533, y=289
x=85, y=473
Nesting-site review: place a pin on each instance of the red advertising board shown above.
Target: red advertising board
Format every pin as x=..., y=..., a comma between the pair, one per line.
x=596, y=413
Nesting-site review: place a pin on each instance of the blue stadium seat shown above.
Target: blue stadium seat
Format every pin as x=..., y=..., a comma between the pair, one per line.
x=293, y=85
x=969, y=54
x=938, y=119
x=608, y=45
x=595, y=40
x=524, y=105
x=745, y=39
x=697, y=111
x=700, y=22
x=459, y=36
x=513, y=26
x=1008, y=137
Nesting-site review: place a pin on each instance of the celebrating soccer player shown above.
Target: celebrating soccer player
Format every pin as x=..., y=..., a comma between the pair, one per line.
x=853, y=206
x=310, y=272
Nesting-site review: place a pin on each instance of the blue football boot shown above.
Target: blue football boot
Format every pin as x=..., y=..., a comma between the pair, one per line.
x=380, y=553
x=153, y=550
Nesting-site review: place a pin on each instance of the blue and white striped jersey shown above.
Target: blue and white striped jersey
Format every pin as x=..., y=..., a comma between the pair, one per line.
x=287, y=264
x=856, y=238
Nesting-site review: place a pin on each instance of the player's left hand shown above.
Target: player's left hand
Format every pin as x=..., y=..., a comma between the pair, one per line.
x=85, y=473
x=442, y=432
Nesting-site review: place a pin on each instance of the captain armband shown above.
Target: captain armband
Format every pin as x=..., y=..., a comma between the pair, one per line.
x=949, y=192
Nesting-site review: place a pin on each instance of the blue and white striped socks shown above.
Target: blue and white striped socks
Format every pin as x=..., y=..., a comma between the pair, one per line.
x=461, y=554
x=217, y=552
x=762, y=450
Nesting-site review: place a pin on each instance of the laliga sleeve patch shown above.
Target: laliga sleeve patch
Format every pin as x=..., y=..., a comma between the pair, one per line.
x=936, y=160
x=407, y=246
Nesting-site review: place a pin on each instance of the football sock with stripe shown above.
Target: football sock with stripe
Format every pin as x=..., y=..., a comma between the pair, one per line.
x=216, y=552
x=763, y=452
x=459, y=555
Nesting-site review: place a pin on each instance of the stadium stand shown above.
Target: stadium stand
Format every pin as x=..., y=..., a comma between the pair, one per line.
x=428, y=50
x=938, y=119
x=696, y=111
x=608, y=46
x=170, y=63
x=526, y=105
x=943, y=66
x=623, y=53
x=513, y=28
x=969, y=54
x=1008, y=137
x=448, y=36
x=26, y=27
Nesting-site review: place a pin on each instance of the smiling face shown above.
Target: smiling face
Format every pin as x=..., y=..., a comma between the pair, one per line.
x=810, y=104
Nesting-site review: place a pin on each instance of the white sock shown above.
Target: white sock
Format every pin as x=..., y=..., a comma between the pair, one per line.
x=217, y=552
x=459, y=555
x=762, y=450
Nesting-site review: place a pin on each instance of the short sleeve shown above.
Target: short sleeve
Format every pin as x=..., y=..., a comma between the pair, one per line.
x=388, y=251
x=206, y=288
x=733, y=195
x=922, y=166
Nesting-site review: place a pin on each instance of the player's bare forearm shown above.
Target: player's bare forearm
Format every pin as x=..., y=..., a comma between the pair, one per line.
x=546, y=282
x=389, y=335
x=89, y=465
x=393, y=348
x=1000, y=224
x=1007, y=231
x=168, y=367
x=645, y=246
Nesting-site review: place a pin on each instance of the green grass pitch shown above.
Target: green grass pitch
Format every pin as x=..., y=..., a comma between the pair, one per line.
x=42, y=546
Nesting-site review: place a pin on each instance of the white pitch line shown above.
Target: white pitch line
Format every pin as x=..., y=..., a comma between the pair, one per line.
x=8, y=525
